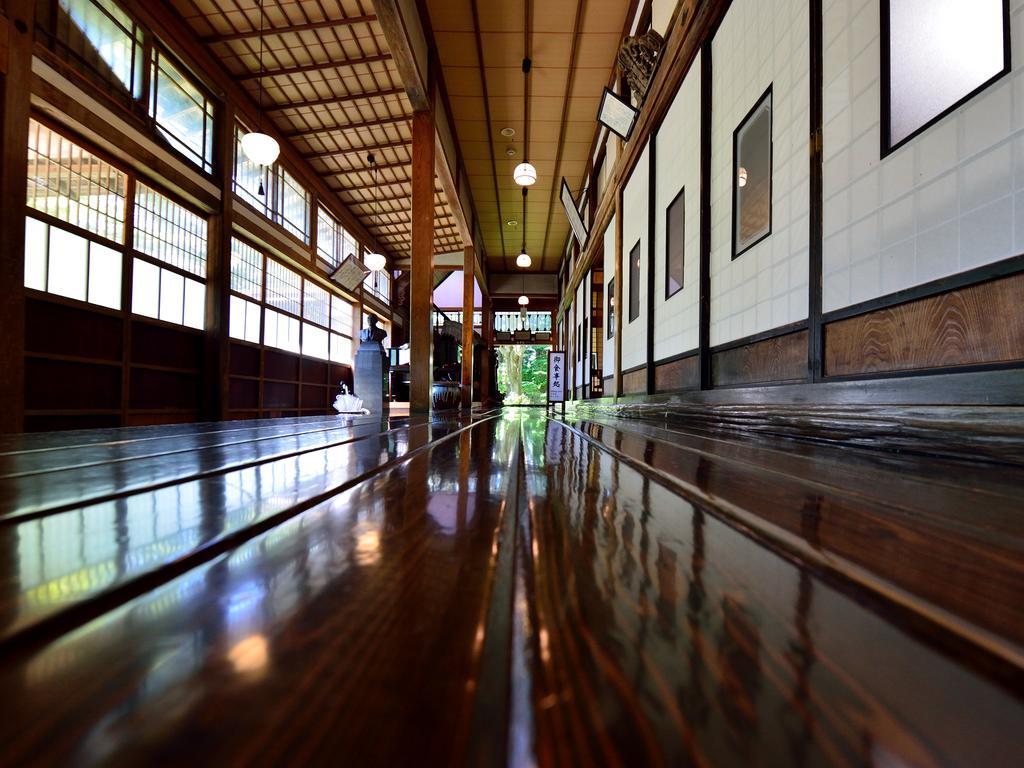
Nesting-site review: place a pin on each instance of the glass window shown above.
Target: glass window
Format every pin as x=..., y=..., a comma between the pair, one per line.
x=246, y=269
x=66, y=264
x=314, y=341
x=284, y=288
x=674, y=234
x=341, y=349
x=169, y=232
x=341, y=316
x=73, y=185
x=293, y=208
x=752, y=177
x=634, y=282
x=182, y=112
x=327, y=237
x=244, y=321
x=938, y=54
x=166, y=295
x=316, y=304
x=105, y=38
x=280, y=331
x=611, y=308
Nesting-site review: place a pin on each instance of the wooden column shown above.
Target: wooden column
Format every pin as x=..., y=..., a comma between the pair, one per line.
x=216, y=388
x=421, y=287
x=704, y=273
x=13, y=175
x=487, y=329
x=468, y=272
x=618, y=293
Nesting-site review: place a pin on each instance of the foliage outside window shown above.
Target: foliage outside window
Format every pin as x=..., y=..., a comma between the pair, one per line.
x=333, y=241
x=523, y=374
x=752, y=177
x=273, y=192
x=105, y=38
x=634, y=282
x=182, y=112
x=674, y=245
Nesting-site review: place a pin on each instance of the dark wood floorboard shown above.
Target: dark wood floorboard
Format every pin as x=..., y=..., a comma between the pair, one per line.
x=504, y=588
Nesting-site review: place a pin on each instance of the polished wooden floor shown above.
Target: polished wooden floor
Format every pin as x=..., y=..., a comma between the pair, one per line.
x=504, y=589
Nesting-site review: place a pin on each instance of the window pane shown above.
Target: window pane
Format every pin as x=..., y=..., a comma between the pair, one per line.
x=341, y=316
x=326, y=237
x=236, y=318
x=105, y=38
x=183, y=114
x=316, y=304
x=73, y=185
x=252, y=322
x=104, y=276
x=314, y=341
x=341, y=349
x=35, y=254
x=67, y=264
x=195, y=304
x=246, y=269
x=281, y=331
x=939, y=52
x=674, y=246
x=172, y=296
x=284, y=287
x=752, y=177
x=294, y=206
x=145, y=288
x=169, y=232
x=634, y=282
x=611, y=308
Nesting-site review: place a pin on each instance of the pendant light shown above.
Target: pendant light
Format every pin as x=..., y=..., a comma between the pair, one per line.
x=525, y=175
x=261, y=148
x=523, y=260
x=374, y=260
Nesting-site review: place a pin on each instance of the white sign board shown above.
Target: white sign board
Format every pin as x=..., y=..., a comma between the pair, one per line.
x=556, y=377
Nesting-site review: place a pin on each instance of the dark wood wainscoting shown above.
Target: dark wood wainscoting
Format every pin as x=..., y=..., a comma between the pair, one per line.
x=635, y=382
x=780, y=359
x=977, y=325
x=674, y=375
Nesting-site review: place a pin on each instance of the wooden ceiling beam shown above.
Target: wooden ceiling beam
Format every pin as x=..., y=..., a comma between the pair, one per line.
x=332, y=100
x=349, y=127
x=325, y=24
x=358, y=150
x=379, y=166
x=313, y=67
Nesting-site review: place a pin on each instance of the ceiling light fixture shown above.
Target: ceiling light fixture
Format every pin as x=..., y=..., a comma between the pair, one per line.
x=523, y=260
x=508, y=133
x=524, y=300
x=525, y=174
x=374, y=261
x=261, y=148
x=511, y=223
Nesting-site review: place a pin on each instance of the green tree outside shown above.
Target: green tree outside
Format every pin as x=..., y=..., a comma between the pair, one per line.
x=523, y=374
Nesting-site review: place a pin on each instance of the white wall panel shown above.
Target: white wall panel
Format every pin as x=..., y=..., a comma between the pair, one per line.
x=634, y=229
x=760, y=44
x=678, y=167
x=949, y=200
x=609, y=275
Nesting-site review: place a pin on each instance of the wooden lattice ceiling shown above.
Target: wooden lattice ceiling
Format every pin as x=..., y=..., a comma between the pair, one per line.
x=572, y=45
x=331, y=88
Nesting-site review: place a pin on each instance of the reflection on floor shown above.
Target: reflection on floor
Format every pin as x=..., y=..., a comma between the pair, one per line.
x=503, y=588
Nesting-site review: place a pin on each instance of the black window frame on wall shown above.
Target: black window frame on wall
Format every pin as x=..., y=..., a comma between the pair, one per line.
x=771, y=170
x=634, y=281
x=610, y=319
x=885, y=64
x=679, y=198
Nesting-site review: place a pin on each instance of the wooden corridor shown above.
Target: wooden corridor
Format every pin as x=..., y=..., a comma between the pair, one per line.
x=504, y=588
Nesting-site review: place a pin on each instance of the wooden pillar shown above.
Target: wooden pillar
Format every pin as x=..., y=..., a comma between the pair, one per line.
x=468, y=272
x=421, y=288
x=487, y=329
x=704, y=274
x=216, y=389
x=14, y=116
x=619, y=293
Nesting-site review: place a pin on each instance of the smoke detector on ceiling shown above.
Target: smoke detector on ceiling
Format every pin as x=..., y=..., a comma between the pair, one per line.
x=508, y=133
x=512, y=223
